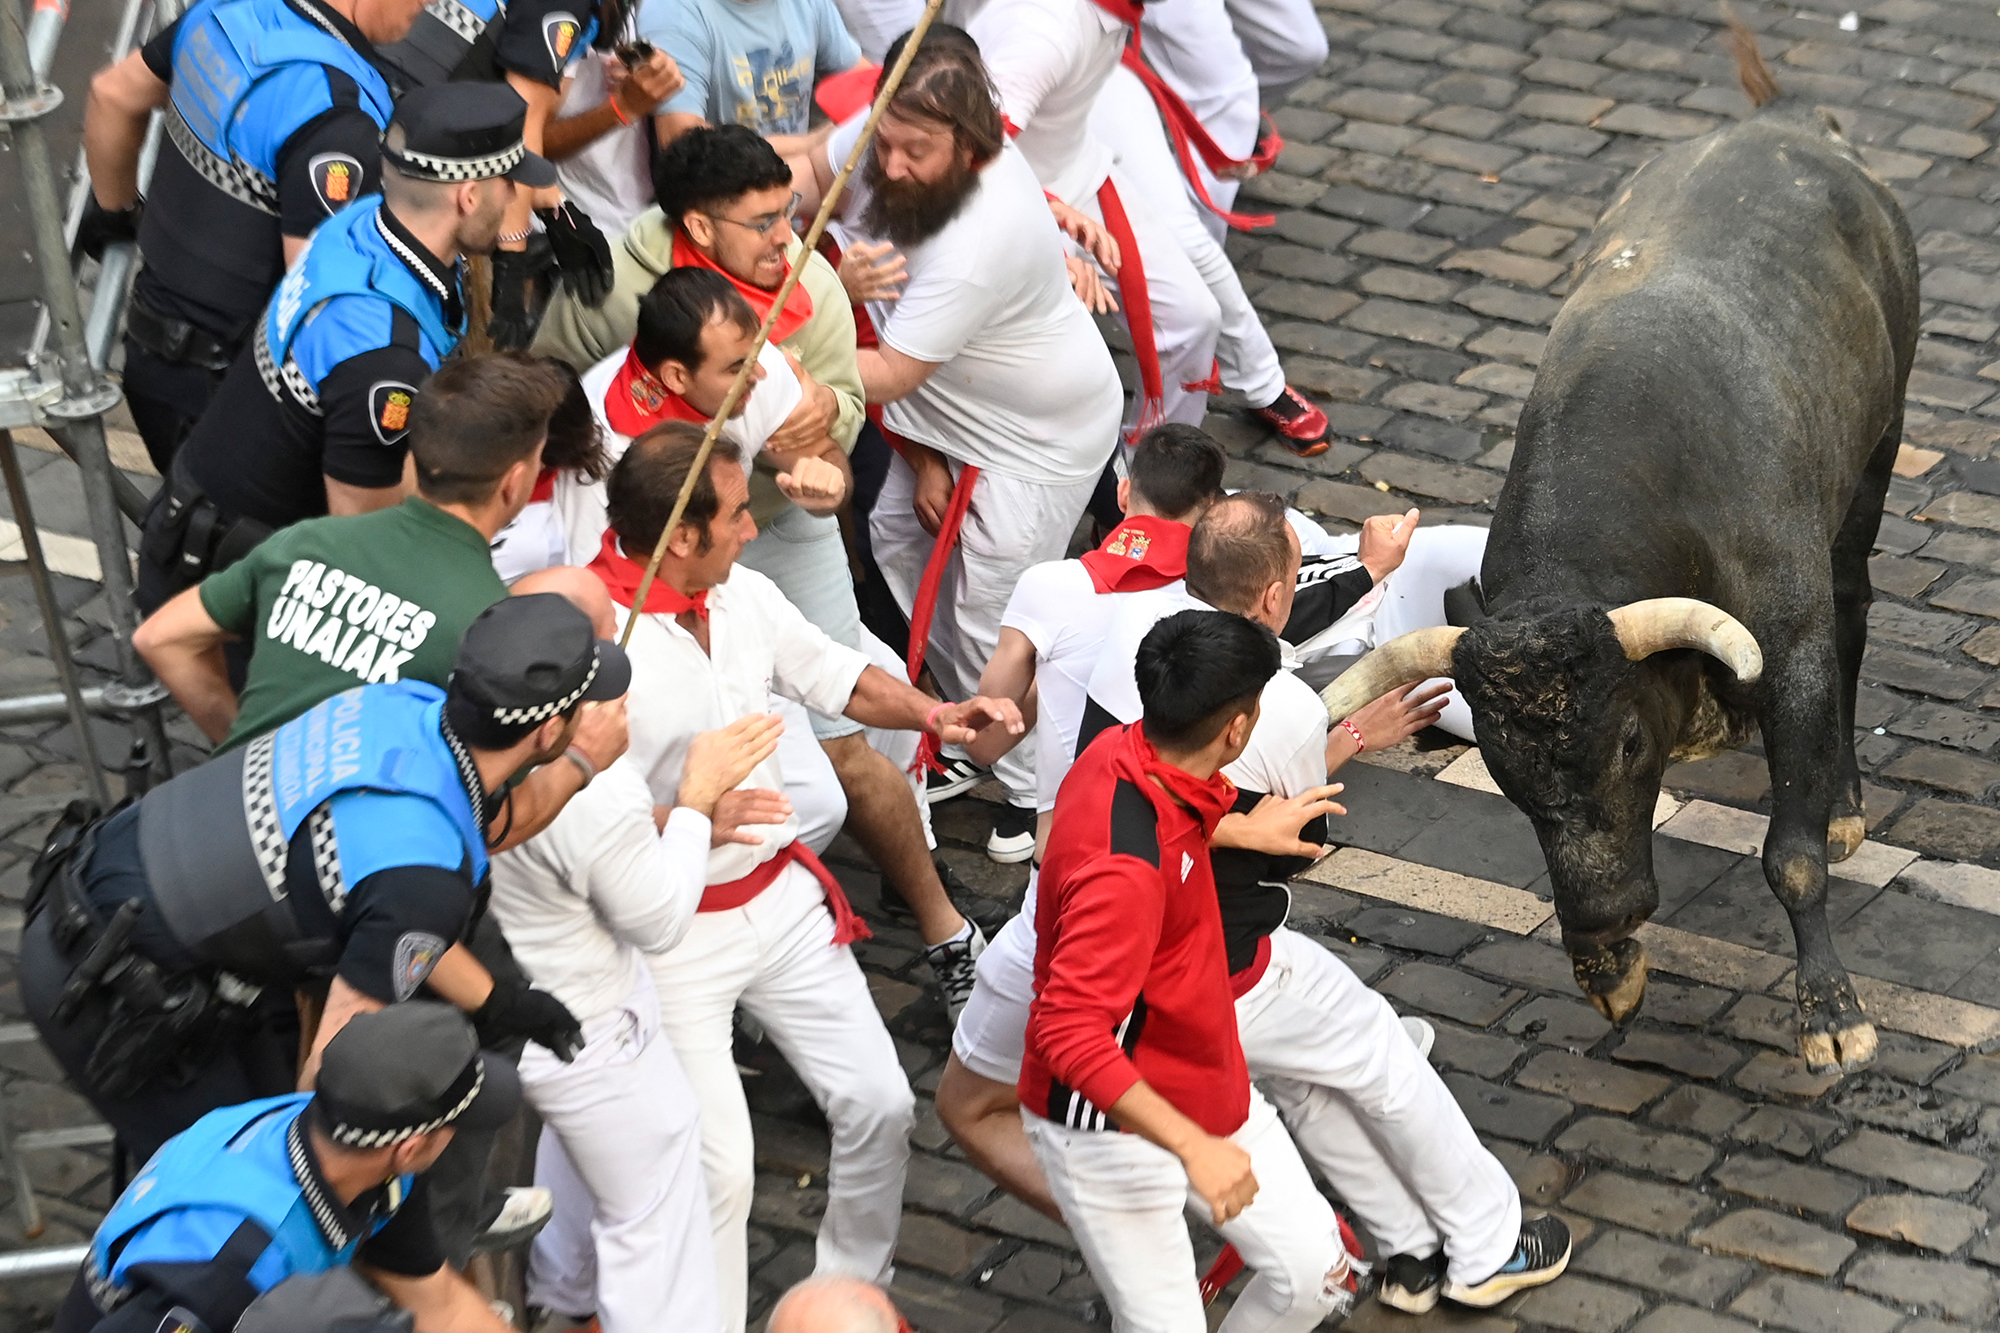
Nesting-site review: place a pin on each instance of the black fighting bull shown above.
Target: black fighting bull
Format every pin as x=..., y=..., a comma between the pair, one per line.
x=1680, y=552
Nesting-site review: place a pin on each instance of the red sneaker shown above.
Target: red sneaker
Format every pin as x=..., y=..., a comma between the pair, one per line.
x=1299, y=423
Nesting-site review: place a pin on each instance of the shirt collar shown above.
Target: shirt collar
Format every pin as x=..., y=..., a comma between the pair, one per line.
x=417, y=257
x=341, y=1223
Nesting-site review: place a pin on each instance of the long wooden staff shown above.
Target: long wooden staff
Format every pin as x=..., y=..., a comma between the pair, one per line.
x=742, y=381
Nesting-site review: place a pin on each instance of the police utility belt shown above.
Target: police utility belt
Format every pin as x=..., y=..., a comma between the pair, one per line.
x=178, y=341
x=195, y=536
x=162, y=1026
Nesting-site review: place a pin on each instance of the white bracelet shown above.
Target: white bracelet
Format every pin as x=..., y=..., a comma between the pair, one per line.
x=583, y=764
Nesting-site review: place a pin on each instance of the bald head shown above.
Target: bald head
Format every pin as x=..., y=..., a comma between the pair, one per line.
x=1240, y=550
x=582, y=588
x=834, y=1305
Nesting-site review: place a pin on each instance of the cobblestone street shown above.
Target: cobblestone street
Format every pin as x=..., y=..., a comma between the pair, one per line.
x=1440, y=177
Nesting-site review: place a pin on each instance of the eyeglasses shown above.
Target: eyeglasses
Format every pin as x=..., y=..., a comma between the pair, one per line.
x=763, y=227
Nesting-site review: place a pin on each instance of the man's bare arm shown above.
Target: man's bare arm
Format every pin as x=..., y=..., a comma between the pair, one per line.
x=1010, y=674
x=122, y=97
x=887, y=375
x=183, y=645
x=1218, y=1169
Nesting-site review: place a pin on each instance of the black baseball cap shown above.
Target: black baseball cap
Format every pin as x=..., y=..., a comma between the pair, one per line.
x=406, y=1070
x=530, y=657
x=456, y=132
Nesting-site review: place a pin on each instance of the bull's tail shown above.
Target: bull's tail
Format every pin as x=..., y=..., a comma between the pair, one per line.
x=1758, y=81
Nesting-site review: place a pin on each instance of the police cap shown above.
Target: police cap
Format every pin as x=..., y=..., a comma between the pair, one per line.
x=456, y=132
x=406, y=1070
x=530, y=657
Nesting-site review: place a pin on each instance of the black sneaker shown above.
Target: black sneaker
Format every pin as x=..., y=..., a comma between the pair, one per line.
x=957, y=777
x=1412, y=1285
x=952, y=964
x=1539, y=1256
x=1013, y=837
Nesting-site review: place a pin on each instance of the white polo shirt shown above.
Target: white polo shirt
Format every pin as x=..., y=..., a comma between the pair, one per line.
x=1024, y=387
x=1287, y=750
x=759, y=644
x=1049, y=59
x=1058, y=608
x=585, y=898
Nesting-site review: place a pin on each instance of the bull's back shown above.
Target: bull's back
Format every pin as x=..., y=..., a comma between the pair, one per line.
x=1735, y=343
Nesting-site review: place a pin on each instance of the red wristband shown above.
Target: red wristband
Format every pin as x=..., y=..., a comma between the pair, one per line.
x=618, y=111
x=930, y=718
x=1354, y=731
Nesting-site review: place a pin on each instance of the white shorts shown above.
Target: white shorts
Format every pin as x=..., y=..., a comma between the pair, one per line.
x=992, y=1032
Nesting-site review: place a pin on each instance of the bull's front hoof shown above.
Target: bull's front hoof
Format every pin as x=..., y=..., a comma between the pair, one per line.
x=1613, y=979
x=1844, y=836
x=1840, y=1052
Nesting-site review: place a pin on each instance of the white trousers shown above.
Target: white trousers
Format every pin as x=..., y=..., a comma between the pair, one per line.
x=621, y=1151
x=775, y=956
x=1372, y=1115
x=1126, y=118
x=1283, y=39
x=1125, y=1199
x=1010, y=526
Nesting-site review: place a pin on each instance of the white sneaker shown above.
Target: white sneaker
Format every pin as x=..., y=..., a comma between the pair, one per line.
x=526, y=1211
x=1422, y=1033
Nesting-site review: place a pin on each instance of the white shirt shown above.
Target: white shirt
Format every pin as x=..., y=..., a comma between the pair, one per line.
x=534, y=540
x=1024, y=386
x=611, y=178
x=1049, y=59
x=759, y=644
x=1059, y=609
x=582, y=900
x=582, y=503
x=1287, y=750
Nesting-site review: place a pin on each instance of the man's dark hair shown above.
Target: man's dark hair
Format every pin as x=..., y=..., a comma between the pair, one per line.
x=475, y=417
x=576, y=441
x=948, y=83
x=682, y=304
x=707, y=168
x=1176, y=468
x=1239, y=548
x=1198, y=669
x=639, y=498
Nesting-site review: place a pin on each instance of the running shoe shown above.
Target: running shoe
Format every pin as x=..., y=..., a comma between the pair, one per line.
x=1539, y=1256
x=523, y=1213
x=952, y=964
x=1412, y=1285
x=1299, y=423
x=957, y=777
x=1422, y=1033
x=1013, y=838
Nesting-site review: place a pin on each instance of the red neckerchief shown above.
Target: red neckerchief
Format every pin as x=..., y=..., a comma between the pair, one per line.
x=545, y=487
x=620, y=575
x=1125, y=11
x=1145, y=551
x=1207, y=801
x=798, y=306
x=637, y=401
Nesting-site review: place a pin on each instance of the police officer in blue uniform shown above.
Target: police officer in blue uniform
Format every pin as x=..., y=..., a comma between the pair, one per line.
x=273, y=112
x=297, y=1185
x=312, y=416
x=348, y=847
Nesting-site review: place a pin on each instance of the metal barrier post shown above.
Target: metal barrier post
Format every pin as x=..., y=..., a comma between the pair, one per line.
x=86, y=394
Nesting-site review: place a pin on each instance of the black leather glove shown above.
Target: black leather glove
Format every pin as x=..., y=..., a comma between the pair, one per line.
x=582, y=253
x=511, y=326
x=100, y=226
x=514, y=1010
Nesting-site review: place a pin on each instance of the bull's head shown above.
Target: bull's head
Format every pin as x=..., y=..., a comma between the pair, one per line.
x=1576, y=727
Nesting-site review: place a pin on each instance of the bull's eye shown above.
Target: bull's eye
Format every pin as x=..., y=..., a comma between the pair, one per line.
x=1635, y=741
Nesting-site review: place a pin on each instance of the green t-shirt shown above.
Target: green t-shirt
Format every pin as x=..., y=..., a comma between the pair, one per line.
x=332, y=603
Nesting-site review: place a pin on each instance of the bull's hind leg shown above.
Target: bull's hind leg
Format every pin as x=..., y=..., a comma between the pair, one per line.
x=1852, y=595
x=1801, y=742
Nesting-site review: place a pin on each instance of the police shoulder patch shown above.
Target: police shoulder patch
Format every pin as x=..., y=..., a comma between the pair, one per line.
x=559, y=33
x=417, y=952
x=389, y=409
x=180, y=1319
x=336, y=179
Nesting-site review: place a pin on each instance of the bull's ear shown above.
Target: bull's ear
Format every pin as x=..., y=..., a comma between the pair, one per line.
x=1465, y=604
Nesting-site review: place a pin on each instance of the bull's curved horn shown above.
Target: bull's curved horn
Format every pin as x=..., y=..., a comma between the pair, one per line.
x=1404, y=660
x=1648, y=627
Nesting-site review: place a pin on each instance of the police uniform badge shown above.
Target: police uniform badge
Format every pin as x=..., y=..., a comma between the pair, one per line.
x=180, y=1319
x=336, y=179
x=417, y=952
x=389, y=409
x=559, y=33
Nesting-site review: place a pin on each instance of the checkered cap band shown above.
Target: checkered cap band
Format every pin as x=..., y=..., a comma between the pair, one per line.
x=452, y=170
x=350, y=1135
x=543, y=712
